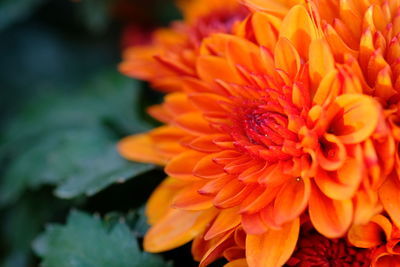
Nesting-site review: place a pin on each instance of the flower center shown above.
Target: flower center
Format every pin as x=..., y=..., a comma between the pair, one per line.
x=314, y=249
x=265, y=128
x=219, y=21
x=262, y=130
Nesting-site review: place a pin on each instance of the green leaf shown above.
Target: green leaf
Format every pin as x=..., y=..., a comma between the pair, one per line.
x=70, y=140
x=86, y=241
x=17, y=234
x=136, y=220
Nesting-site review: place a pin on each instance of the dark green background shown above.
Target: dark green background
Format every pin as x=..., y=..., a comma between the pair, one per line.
x=66, y=197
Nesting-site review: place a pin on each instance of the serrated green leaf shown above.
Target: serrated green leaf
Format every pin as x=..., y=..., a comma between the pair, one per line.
x=85, y=241
x=70, y=141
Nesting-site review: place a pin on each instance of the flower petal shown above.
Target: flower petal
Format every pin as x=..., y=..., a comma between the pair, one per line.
x=188, y=198
x=299, y=28
x=291, y=200
x=140, y=148
x=237, y=263
x=321, y=60
x=176, y=228
x=160, y=200
x=182, y=165
x=334, y=223
x=226, y=220
x=274, y=247
x=356, y=118
x=390, y=198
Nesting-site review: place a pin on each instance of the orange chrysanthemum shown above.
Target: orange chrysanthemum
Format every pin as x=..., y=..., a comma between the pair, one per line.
x=286, y=114
x=172, y=52
x=364, y=35
x=382, y=237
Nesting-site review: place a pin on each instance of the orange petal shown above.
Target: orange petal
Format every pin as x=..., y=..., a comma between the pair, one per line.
x=365, y=236
x=176, y=228
x=299, y=28
x=279, y=8
x=328, y=89
x=211, y=68
x=334, y=223
x=291, y=200
x=208, y=169
x=264, y=31
x=194, y=123
x=286, y=57
x=177, y=103
x=357, y=118
x=234, y=253
x=241, y=52
x=237, y=263
x=215, y=185
x=390, y=198
x=226, y=220
x=274, y=247
x=321, y=61
x=188, y=198
x=259, y=198
x=140, y=148
x=216, y=251
x=343, y=183
x=182, y=165
x=366, y=205
x=232, y=194
x=253, y=224
x=160, y=200
x=331, y=153
x=204, y=144
x=208, y=102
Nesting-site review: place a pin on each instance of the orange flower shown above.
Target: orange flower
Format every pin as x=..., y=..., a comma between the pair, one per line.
x=173, y=51
x=271, y=124
x=364, y=35
x=382, y=237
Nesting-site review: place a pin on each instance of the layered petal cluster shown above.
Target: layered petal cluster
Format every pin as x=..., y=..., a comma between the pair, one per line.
x=382, y=237
x=171, y=52
x=290, y=111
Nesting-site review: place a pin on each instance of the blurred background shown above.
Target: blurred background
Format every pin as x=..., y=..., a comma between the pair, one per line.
x=66, y=197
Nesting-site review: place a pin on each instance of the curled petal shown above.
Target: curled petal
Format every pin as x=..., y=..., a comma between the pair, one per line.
x=331, y=154
x=343, y=183
x=334, y=223
x=368, y=235
x=356, y=118
x=291, y=200
x=279, y=245
x=390, y=198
